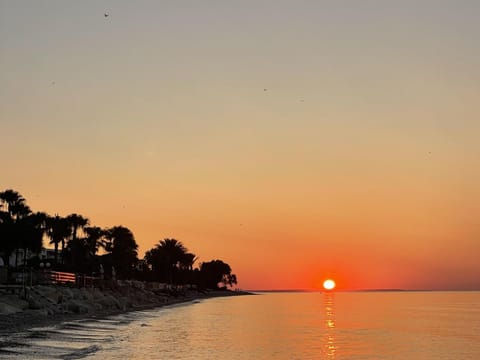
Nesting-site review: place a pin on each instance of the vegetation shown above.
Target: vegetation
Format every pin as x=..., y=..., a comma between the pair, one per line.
x=82, y=248
x=171, y=262
x=216, y=271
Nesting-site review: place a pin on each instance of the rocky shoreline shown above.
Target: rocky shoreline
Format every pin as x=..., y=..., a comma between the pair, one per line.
x=45, y=305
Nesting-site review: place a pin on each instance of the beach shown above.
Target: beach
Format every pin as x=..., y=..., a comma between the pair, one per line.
x=44, y=305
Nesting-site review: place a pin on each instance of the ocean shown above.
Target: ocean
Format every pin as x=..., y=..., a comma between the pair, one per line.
x=306, y=325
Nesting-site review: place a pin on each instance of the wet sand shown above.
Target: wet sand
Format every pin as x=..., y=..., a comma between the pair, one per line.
x=51, y=305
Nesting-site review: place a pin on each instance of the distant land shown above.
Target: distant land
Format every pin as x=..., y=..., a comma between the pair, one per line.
x=322, y=290
x=355, y=290
x=377, y=290
x=282, y=290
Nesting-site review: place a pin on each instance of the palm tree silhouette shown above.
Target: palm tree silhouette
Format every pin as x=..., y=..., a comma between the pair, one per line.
x=169, y=260
x=187, y=260
x=58, y=230
x=16, y=209
x=31, y=229
x=74, y=223
x=7, y=234
x=82, y=251
x=14, y=203
x=169, y=255
x=94, y=239
x=122, y=246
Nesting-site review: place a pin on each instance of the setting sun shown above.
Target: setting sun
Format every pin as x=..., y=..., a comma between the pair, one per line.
x=329, y=284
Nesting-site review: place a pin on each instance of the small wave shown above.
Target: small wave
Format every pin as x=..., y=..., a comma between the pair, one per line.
x=95, y=326
x=11, y=347
x=80, y=353
x=73, y=326
x=68, y=335
x=8, y=352
x=124, y=322
x=40, y=334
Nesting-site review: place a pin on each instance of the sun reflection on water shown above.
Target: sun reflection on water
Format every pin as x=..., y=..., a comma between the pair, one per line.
x=330, y=347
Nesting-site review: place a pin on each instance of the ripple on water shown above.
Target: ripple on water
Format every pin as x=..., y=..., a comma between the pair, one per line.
x=71, y=340
x=81, y=353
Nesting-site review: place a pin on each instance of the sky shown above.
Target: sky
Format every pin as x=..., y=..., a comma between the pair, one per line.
x=295, y=140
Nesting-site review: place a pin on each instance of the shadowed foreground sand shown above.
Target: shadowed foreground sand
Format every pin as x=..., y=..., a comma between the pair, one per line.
x=48, y=305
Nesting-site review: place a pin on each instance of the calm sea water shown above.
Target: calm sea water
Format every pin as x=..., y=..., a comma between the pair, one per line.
x=380, y=325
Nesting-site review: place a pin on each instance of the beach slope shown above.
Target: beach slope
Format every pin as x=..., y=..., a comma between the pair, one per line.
x=46, y=305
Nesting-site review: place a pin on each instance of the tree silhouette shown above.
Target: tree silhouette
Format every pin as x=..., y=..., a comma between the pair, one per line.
x=216, y=271
x=187, y=260
x=75, y=222
x=76, y=256
x=58, y=230
x=123, y=250
x=7, y=237
x=81, y=251
x=14, y=204
x=15, y=209
x=30, y=231
x=94, y=239
x=167, y=258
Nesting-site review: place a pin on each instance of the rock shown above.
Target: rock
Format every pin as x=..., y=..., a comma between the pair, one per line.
x=67, y=293
x=86, y=295
x=35, y=303
x=10, y=304
x=109, y=302
x=6, y=309
x=77, y=307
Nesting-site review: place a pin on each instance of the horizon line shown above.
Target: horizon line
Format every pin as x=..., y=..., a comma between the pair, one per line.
x=359, y=290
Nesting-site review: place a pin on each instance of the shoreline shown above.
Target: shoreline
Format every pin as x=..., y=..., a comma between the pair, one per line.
x=52, y=305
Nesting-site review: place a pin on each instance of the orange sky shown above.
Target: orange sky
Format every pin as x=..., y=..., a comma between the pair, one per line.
x=359, y=162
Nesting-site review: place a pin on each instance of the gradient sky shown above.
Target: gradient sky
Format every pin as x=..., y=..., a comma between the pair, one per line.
x=360, y=161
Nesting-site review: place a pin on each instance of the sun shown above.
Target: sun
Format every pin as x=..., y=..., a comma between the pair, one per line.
x=329, y=284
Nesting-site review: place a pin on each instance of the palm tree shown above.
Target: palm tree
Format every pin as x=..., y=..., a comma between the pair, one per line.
x=57, y=230
x=174, y=248
x=76, y=256
x=14, y=203
x=30, y=233
x=187, y=261
x=94, y=238
x=75, y=222
x=121, y=244
x=169, y=255
x=7, y=237
x=15, y=209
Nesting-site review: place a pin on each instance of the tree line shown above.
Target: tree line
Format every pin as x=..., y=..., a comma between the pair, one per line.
x=87, y=249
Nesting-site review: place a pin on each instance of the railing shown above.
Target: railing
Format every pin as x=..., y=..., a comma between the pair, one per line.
x=33, y=277
x=87, y=281
x=59, y=277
